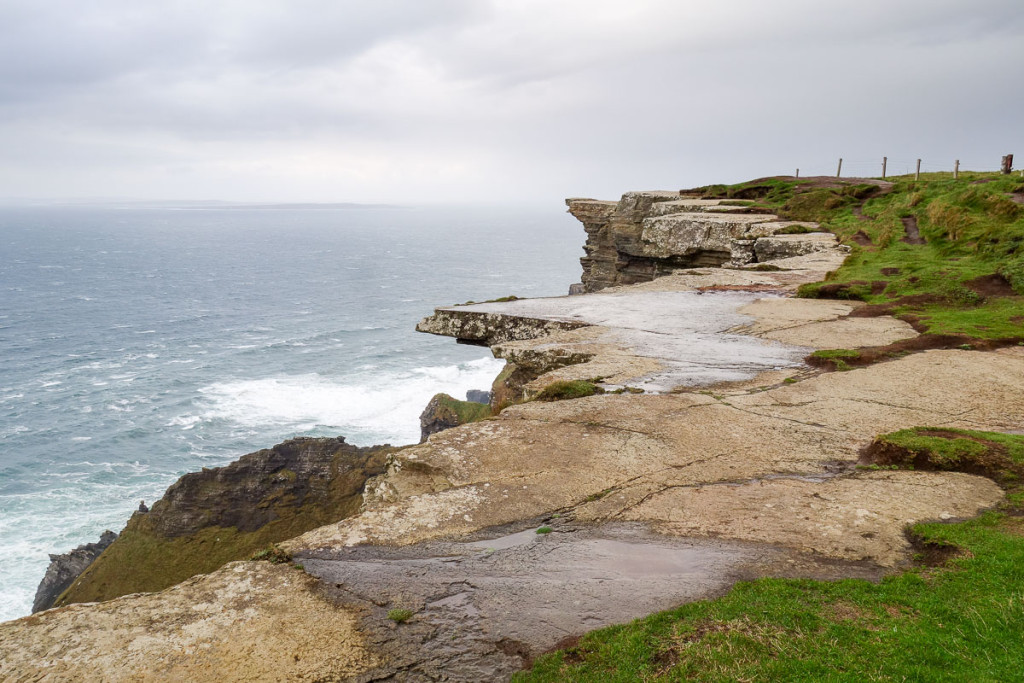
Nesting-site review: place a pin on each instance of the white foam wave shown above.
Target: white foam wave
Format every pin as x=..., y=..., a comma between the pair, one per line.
x=385, y=406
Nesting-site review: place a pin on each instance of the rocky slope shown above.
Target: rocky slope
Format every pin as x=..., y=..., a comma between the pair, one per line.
x=226, y=513
x=737, y=461
x=646, y=235
x=67, y=567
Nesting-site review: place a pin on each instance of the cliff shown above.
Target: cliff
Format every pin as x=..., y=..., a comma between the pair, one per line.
x=218, y=515
x=646, y=235
x=67, y=567
x=732, y=441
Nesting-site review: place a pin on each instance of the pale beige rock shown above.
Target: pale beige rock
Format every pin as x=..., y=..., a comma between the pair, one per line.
x=536, y=458
x=250, y=621
x=853, y=518
x=820, y=324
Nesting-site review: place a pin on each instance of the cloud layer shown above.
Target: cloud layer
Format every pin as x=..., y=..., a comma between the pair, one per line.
x=522, y=100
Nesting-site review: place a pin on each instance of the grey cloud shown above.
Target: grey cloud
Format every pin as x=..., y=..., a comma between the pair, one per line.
x=511, y=98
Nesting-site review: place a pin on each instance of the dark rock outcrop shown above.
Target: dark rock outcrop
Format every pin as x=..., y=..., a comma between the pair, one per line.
x=444, y=412
x=478, y=396
x=65, y=568
x=218, y=515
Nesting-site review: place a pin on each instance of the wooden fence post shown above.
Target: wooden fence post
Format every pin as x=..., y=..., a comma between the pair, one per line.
x=956, y=170
x=1007, y=164
x=797, y=173
x=884, y=160
x=840, y=169
x=917, y=173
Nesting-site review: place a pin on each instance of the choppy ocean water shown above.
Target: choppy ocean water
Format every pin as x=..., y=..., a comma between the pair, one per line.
x=137, y=344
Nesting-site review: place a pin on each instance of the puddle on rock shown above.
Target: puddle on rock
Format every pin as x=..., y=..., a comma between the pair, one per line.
x=523, y=592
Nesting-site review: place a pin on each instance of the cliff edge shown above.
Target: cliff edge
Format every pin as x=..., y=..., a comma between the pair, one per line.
x=727, y=443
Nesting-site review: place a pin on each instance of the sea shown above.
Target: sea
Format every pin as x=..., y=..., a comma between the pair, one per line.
x=139, y=342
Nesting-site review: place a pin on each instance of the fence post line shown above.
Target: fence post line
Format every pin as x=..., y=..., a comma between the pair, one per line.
x=797, y=173
x=884, y=161
x=917, y=173
x=840, y=169
x=956, y=170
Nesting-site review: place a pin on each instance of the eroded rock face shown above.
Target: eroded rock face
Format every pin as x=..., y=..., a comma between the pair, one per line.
x=467, y=324
x=67, y=567
x=249, y=493
x=647, y=235
x=226, y=513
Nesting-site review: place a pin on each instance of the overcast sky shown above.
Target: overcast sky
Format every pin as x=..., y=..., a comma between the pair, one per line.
x=493, y=100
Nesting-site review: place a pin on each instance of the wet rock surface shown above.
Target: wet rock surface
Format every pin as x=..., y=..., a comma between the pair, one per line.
x=67, y=567
x=482, y=609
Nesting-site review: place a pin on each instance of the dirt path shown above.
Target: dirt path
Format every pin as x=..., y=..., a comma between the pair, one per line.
x=913, y=234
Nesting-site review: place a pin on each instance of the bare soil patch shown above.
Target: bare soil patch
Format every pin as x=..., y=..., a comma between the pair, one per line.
x=990, y=285
x=913, y=234
x=861, y=238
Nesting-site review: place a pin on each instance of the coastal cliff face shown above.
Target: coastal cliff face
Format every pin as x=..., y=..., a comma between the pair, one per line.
x=486, y=545
x=212, y=517
x=646, y=235
x=67, y=567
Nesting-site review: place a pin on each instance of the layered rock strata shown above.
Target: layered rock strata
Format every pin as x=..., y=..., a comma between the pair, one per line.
x=646, y=235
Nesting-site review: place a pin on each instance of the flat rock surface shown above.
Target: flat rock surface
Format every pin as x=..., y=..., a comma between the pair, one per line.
x=538, y=458
x=483, y=608
x=740, y=479
x=696, y=332
x=250, y=621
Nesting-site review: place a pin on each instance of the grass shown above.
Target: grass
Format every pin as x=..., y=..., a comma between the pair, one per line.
x=568, y=389
x=973, y=230
x=837, y=359
x=460, y=412
x=544, y=530
x=272, y=554
x=961, y=621
x=400, y=615
x=992, y=454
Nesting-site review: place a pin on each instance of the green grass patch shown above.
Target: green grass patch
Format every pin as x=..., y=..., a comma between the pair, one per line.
x=992, y=454
x=837, y=359
x=460, y=412
x=272, y=554
x=959, y=621
x=568, y=389
x=400, y=615
x=974, y=237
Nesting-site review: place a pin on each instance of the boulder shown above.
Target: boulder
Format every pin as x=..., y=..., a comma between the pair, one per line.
x=478, y=396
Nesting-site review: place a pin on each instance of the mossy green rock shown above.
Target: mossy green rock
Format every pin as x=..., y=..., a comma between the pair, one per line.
x=444, y=412
x=219, y=515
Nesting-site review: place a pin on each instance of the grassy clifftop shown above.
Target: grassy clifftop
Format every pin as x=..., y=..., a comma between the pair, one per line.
x=947, y=256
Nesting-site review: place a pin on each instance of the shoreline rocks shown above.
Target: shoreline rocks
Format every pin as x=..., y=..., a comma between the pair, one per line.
x=221, y=514
x=67, y=567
